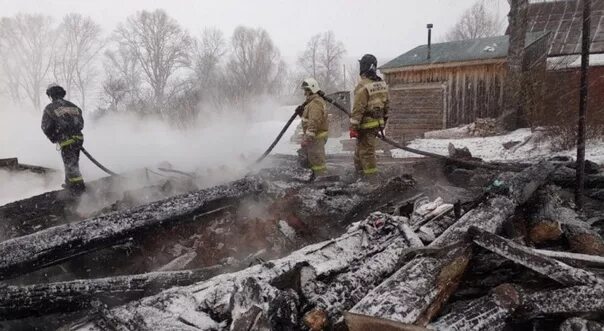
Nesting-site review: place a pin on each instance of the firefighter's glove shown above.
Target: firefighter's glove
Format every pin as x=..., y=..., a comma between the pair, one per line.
x=354, y=133
x=306, y=141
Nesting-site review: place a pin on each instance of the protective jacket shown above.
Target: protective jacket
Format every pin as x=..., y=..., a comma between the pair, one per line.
x=61, y=121
x=371, y=105
x=315, y=126
x=314, y=118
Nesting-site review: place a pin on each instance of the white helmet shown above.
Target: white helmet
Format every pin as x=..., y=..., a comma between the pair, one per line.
x=311, y=84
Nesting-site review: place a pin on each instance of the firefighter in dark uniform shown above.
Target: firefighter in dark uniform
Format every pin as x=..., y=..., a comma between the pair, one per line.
x=62, y=123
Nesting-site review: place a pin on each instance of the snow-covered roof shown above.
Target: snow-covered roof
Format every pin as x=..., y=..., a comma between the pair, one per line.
x=458, y=51
x=573, y=61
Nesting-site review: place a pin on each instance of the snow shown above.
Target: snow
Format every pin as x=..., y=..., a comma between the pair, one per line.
x=180, y=307
x=287, y=230
x=573, y=61
x=491, y=148
x=487, y=148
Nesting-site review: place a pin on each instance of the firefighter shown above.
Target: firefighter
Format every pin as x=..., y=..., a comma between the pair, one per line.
x=62, y=123
x=315, y=126
x=369, y=115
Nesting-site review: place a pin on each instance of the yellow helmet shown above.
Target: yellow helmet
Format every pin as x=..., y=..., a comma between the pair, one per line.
x=311, y=84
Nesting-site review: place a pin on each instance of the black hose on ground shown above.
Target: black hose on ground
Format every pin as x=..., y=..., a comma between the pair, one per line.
x=97, y=163
x=429, y=154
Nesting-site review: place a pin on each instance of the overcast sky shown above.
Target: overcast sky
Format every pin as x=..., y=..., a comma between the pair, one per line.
x=386, y=28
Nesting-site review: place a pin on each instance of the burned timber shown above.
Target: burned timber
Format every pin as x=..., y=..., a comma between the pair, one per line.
x=452, y=247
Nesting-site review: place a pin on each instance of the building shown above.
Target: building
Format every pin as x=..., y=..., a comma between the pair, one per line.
x=444, y=85
x=563, y=20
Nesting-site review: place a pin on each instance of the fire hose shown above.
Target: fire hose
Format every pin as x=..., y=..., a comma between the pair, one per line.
x=393, y=143
x=97, y=163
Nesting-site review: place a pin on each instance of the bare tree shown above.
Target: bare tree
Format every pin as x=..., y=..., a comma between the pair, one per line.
x=26, y=47
x=161, y=47
x=254, y=66
x=122, y=85
x=322, y=59
x=207, y=55
x=476, y=22
x=309, y=60
x=78, y=46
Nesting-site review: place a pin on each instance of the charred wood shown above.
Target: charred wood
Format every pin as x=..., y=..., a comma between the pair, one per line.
x=583, y=239
x=574, y=258
x=580, y=324
x=514, y=189
x=566, y=301
x=342, y=292
x=207, y=304
x=555, y=270
x=41, y=299
x=417, y=291
x=356, y=322
x=60, y=243
x=487, y=313
x=565, y=178
x=544, y=224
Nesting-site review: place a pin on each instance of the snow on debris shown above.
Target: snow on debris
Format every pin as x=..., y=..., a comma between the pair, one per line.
x=197, y=307
x=492, y=149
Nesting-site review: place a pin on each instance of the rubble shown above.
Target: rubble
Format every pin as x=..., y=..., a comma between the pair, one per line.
x=274, y=251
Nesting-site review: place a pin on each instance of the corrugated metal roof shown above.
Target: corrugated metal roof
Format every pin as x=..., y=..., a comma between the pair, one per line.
x=564, y=19
x=458, y=51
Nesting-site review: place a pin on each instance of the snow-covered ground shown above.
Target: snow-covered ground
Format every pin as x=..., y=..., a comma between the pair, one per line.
x=491, y=148
x=487, y=148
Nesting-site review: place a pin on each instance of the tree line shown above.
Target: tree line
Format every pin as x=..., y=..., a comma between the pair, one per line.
x=149, y=64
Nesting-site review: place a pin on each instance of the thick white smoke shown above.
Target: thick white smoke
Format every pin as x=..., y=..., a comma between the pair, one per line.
x=224, y=142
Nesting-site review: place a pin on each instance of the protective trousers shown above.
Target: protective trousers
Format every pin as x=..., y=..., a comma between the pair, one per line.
x=315, y=151
x=364, y=154
x=71, y=159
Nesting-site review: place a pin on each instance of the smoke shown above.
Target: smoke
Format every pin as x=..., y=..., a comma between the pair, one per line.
x=219, y=146
x=18, y=185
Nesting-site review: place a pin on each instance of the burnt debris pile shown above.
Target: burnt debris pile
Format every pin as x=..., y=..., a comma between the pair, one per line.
x=450, y=249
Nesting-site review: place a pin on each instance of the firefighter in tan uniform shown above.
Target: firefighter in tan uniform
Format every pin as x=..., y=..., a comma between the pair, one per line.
x=315, y=126
x=369, y=115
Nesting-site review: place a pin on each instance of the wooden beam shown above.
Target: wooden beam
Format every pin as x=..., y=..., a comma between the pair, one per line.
x=555, y=270
x=417, y=291
x=42, y=299
x=487, y=313
x=573, y=300
x=60, y=243
x=589, y=260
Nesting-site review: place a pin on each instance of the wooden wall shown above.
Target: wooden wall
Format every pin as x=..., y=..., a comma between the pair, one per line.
x=470, y=91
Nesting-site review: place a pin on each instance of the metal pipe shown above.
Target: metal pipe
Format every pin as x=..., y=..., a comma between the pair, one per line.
x=430, y=26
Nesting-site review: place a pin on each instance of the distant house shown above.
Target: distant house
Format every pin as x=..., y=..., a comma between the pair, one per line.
x=563, y=20
x=449, y=84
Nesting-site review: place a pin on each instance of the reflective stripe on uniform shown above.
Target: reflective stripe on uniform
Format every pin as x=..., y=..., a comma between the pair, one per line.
x=370, y=125
x=70, y=141
x=318, y=168
x=75, y=179
x=382, y=123
x=323, y=134
x=370, y=171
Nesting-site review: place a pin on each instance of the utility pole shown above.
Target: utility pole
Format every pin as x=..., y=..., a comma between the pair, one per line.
x=586, y=43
